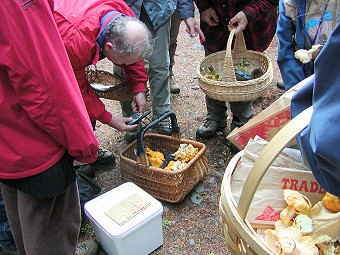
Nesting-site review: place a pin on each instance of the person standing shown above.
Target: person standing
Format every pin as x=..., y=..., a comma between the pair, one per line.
x=257, y=20
x=156, y=14
x=302, y=24
x=44, y=125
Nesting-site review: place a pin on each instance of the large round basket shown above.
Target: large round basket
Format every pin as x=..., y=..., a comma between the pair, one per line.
x=240, y=235
x=229, y=89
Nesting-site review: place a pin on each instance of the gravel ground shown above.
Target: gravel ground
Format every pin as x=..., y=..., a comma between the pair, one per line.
x=191, y=227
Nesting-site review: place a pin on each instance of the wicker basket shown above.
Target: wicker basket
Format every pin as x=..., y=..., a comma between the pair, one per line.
x=229, y=89
x=240, y=235
x=119, y=91
x=162, y=184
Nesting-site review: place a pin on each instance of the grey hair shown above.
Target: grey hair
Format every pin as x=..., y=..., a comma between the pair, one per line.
x=117, y=34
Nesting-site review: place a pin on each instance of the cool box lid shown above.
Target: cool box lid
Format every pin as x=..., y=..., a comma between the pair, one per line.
x=122, y=210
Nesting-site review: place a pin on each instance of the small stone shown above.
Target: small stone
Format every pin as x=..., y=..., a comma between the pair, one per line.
x=212, y=180
x=195, y=87
x=220, y=163
x=196, y=198
x=192, y=242
x=219, y=133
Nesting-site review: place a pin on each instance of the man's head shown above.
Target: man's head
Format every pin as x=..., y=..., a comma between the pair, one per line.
x=127, y=40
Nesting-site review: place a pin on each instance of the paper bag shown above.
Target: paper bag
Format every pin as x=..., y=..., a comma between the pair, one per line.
x=286, y=172
x=266, y=123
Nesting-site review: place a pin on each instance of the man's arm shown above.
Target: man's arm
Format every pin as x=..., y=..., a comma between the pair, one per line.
x=291, y=69
x=186, y=12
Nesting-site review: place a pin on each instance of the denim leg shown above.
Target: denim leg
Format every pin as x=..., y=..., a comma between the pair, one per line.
x=159, y=71
x=6, y=238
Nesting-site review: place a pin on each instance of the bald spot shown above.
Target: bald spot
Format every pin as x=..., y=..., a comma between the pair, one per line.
x=135, y=32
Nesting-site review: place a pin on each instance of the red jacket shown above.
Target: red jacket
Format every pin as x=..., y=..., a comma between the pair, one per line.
x=79, y=25
x=42, y=113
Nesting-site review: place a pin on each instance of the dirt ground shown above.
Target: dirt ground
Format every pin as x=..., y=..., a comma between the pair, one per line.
x=191, y=227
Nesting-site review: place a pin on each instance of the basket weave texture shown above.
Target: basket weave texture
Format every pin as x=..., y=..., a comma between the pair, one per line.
x=240, y=236
x=163, y=184
x=229, y=89
x=120, y=91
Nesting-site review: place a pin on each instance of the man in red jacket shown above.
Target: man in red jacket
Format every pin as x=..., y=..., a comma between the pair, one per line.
x=95, y=29
x=43, y=126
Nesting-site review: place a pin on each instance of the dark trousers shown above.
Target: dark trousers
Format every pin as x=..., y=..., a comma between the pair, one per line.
x=48, y=226
x=174, y=30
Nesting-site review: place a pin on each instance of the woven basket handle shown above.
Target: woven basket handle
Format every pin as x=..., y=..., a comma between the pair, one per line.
x=267, y=156
x=140, y=150
x=228, y=65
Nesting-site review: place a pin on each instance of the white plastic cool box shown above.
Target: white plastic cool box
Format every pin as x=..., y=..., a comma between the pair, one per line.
x=138, y=233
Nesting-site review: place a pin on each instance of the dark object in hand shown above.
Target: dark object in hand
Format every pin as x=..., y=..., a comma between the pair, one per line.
x=137, y=118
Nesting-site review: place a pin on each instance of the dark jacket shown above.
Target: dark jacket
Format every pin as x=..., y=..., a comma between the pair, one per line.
x=259, y=33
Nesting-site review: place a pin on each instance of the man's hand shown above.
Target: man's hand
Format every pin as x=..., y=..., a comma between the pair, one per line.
x=138, y=102
x=239, y=22
x=119, y=123
x=210, y=17
x=193, y=29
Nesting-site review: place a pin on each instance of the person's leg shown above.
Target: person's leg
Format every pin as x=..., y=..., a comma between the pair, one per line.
x=215, y=120
x=7, y=244
x=159, y=72
x=216, y=114
x=242, y=112
x=174, y=30
x=44, y=226
x=158, y=78
x=10, y=199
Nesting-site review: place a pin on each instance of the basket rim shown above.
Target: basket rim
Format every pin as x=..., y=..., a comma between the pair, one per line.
x=236, y=93
x=201, y=151
x=263, y=77
x=228, y=206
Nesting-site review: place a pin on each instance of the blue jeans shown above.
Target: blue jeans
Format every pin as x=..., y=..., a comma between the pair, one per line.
x=6, y=238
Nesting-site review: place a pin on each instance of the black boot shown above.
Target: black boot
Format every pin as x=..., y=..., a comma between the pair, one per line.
x=105, y=158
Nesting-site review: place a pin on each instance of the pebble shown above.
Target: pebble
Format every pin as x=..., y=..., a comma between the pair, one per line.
x=192, y=242
x=212, y=180
x=196, y=198
x=220, y=163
